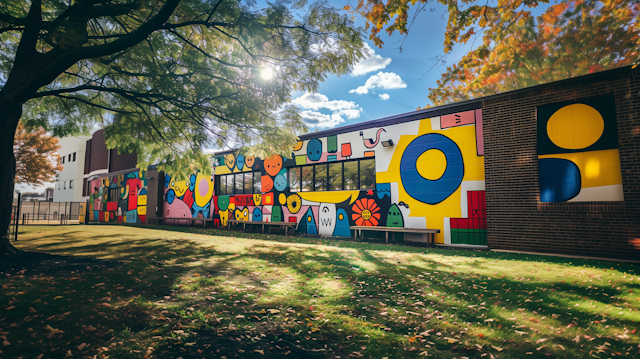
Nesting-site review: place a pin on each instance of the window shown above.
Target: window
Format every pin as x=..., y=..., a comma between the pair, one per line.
x=63, y=159
x=307, y=178
x=367, y=174
x=320, y=177
x=74, y=157
x=248, y=183
x=351, y=175
x=335, y=176
x=257, y=182
x=229, y=179
x=71, y=184
x=65, y=185
x=294, y=179
x=238, y=187
x=69, y=160
x=113, y=194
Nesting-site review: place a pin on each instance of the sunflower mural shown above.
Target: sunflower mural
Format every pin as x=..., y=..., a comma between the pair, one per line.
x=365, y=212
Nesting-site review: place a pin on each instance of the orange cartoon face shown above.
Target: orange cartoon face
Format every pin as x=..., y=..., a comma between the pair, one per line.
x=273, y=165
x=297, y=146
x=249, y=161
x=267, y=183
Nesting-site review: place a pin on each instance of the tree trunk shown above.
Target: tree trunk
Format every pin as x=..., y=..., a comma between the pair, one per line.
x=10, y=113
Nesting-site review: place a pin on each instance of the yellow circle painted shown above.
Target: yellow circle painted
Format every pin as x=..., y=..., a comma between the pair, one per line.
x=575, y=126
x=366, y=214
x=308, y=218
x=282, y=198
x=431, y=164
x=340, y=216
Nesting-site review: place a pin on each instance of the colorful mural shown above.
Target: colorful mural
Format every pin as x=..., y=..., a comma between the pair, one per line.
x=432, y=177
x=120, y=198
x=190, y=198
x=578, y=159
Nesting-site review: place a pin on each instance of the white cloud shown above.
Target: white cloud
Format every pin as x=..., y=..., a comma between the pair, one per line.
x=372, y=62
x=320, y=120
x=384, y=80
x=316, y=102
x=384, y=96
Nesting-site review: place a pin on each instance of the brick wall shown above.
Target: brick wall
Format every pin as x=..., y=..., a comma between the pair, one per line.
x=121, y=161
x=99, y=156
x=516, y=219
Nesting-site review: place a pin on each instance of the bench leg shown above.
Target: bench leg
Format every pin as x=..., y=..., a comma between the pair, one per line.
x=387, y=237
x=263, y=229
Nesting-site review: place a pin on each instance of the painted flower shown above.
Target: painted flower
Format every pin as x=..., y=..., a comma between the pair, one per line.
x=365, y=212
x=294, y=203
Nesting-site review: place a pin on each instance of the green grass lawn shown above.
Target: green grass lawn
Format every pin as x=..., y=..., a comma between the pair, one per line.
x=193, y=293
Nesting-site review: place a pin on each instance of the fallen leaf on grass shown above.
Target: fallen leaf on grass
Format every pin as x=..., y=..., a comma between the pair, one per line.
x=541, y=340
x=81, y=346
x=273, y=311
x=497, y=348
x=31, y=310
x=52, y=331
x=261, y=352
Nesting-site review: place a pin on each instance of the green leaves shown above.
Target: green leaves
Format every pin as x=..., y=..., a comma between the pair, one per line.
x=193, y=82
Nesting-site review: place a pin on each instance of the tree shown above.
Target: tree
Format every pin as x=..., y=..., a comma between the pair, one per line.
x=165, y=78
x=34, y=152
x=570, y=39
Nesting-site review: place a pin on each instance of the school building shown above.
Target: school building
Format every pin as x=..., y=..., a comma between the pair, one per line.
x=551, y=168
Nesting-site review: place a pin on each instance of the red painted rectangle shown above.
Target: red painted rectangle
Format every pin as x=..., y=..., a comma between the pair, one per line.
x=101, y=216
x=458, y=119
x=468, y=223
x=112, y=206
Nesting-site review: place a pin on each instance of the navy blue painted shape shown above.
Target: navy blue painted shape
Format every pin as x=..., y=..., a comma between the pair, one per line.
x=257, y=215
x=426, y=190
x=167, y=181
x=192, y=182
x=308, y=223
x=560, y=179
x=383, y=189
x=170, y=196
x=314, y=149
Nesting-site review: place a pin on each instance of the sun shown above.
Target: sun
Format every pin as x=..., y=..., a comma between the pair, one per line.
x=267, y=73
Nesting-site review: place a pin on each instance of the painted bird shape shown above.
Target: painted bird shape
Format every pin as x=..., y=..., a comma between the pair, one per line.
x=369, y=142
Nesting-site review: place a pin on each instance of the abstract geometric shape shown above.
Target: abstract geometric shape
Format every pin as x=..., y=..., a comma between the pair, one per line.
x=457, y=119
x=425, y=190
x=267, y=183
x=223, y=203
x=314, y=149
x=346, y=150
x=273, y=165
x=250, y=161
x=240, y=162
x=267, y=199
x=170, y=196
x=383, y=189
x=369, y=142
x=365, y=212
x=342, y=224
x=369, y=153
x=308, y=223
x=276, y=214
x=575, y=126
x=203, y=190
x=280, y=182
x=298, y=146
x=560, y=179
x=332, y=144
x=394, y=217
x=332, y=158
x=479, y=133
x=301, y=160
x=257, y=215
x=327, y=219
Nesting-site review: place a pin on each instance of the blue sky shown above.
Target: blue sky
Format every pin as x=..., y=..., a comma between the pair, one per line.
x=400, y=72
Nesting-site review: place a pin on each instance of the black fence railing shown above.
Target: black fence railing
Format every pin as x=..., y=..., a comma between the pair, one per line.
x=14, y=223
x=42, y=212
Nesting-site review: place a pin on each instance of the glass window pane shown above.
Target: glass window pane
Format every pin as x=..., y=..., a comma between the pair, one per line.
x=238, y=187
x=257, y=182
x=218, y=185
x=335, y=176
x=351, y=175
x=321, y=177
x=229, y=184
x=367, y=174
x=307, y=178
x=248, y=183
x=294, y=179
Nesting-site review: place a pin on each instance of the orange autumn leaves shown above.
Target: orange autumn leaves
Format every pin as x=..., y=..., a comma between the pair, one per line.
x=34, y=151
x=569, y=39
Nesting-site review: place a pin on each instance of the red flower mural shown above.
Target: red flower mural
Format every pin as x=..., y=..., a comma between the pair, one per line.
x=365, y=212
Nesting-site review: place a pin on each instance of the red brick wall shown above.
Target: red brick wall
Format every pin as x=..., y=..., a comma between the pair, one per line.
x=516, y=219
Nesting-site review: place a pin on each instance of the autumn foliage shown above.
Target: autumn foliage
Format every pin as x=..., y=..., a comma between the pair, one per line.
x=569, y=39
x=35, y=153
x=517, y=49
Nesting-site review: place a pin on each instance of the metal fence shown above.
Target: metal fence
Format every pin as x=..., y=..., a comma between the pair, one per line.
x=42, y=212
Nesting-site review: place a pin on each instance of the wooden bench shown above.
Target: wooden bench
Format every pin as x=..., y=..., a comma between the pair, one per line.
x=284, y=225
x=161, y=220
x=430, y=232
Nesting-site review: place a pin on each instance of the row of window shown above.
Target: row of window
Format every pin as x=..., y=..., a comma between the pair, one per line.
x=332, y=176
x=63, y=185
x=70, y=156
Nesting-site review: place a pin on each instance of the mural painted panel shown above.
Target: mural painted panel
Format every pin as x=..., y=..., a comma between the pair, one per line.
x=190, y=198
x=120, y=198
x=431, y=177
x=578, y=159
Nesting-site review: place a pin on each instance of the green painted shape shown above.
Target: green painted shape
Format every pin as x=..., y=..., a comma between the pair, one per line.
x=394, y=217
x=223, y=203
x=276, y=214
x=332, y=144
x=301, y=160
x=469, y=236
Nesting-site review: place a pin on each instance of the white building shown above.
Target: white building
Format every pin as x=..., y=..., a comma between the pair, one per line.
x=68, y=186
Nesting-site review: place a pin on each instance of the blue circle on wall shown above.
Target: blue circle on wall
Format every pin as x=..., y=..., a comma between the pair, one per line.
x=167, y=181
x=423, y=189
